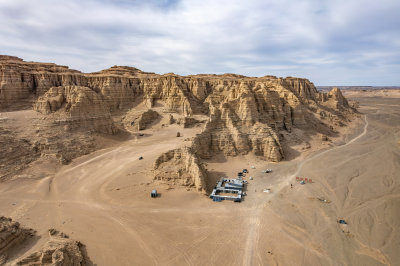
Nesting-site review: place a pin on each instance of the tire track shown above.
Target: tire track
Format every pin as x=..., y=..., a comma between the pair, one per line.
x=254, y=220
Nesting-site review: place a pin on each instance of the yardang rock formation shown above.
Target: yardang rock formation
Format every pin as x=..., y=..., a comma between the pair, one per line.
x=243, y=114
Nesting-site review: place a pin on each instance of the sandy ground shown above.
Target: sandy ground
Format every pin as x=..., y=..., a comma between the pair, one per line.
x=386, y=93
x=103, y=200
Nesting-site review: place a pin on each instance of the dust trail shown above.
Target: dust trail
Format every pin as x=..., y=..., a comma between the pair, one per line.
x=254, y=226
x=300, y=166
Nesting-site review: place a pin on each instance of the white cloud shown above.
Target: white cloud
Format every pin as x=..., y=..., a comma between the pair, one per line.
x=312, y=38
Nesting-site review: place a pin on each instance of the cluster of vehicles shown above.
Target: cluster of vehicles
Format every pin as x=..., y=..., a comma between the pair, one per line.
x=245, y=171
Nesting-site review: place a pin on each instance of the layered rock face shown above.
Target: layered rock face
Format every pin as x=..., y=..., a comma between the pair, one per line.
x=181, y=167
x=19, y=79
x=244, y=117
x=226, y=133
x=16, y=153
x=279, y=103
x=78, y=107
x=245, y=114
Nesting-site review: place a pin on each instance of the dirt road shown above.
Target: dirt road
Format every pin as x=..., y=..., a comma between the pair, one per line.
x=103, y=200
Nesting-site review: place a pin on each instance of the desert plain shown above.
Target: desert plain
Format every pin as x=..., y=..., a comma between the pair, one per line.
x=101, y=197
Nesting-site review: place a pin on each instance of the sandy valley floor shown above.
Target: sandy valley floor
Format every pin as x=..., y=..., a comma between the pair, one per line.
x=102, y=200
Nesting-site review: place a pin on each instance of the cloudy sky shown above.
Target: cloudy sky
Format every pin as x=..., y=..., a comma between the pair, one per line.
x=331, y=42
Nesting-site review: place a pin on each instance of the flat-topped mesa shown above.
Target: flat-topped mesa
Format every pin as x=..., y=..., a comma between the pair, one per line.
x=124, y=71
x=20, y=80
x=10, y=58
x=122, y=85
x=17, y=64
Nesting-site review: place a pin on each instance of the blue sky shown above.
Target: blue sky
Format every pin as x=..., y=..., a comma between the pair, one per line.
x=331, y=42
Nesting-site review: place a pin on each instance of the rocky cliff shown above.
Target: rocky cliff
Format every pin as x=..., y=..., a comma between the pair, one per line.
x=78, y=107
x=19, y=79
x=245, y=114
x=275, y=101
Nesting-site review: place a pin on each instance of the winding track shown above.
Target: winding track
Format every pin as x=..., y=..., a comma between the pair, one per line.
x=255, y=220
x=84, y=187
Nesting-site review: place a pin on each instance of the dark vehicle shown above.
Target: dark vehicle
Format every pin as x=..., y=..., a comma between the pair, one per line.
x=245, y=171
x=154, y=193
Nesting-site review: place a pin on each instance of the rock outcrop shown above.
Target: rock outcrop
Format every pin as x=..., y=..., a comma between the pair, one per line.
x=11, y=235
x=181, y=167
x=227, y=133
x=58, y=250
x=245, y=114
x=146, y=118
x=19, y=79
x=338, y=101
x=78, y=107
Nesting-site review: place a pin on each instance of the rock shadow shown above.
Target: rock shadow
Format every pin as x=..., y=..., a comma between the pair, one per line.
x=22, y=248
x=212, y=179
x=86, y=259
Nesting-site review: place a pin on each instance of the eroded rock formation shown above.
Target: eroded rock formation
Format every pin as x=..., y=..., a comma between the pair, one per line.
x=79, y=107
x=146, y=118
x=11, y=235
x=338, y=101
x=19, y=79
x=182, y=167
x=59, y=250
x=188, y=122
x=226, y=133
x=245, y=114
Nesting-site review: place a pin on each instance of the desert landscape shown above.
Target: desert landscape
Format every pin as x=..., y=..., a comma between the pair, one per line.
x=82, y=152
